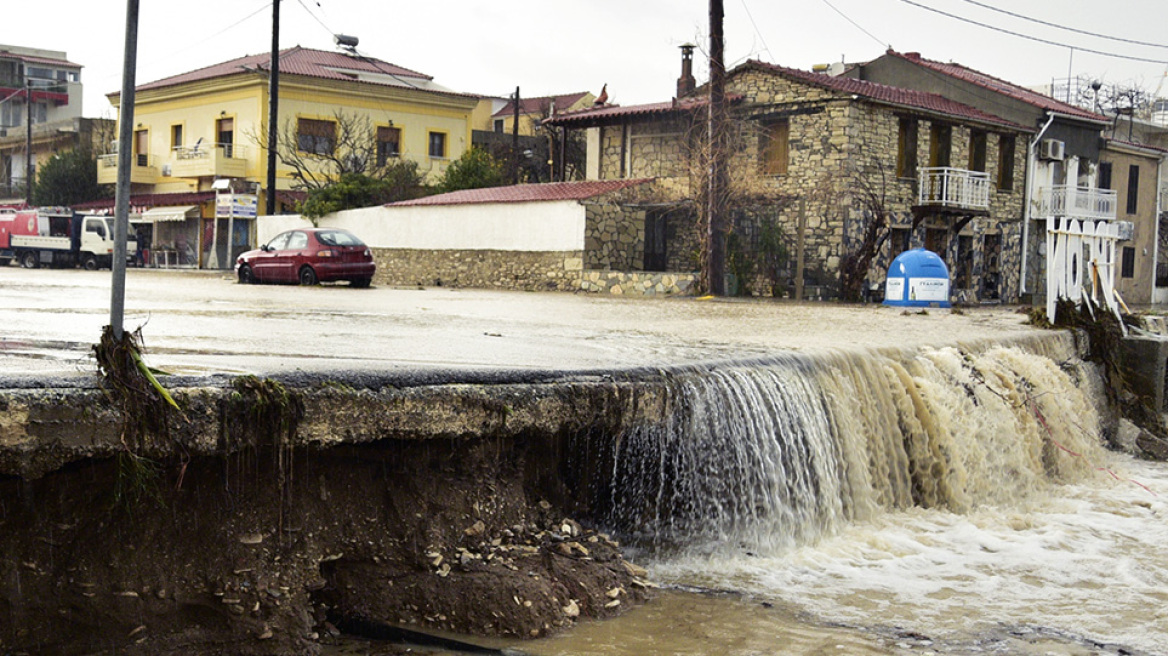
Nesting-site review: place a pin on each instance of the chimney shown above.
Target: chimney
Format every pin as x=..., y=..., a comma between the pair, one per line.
x=686, y=83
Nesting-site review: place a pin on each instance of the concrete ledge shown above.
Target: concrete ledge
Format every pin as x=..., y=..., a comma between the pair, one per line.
x=1144, y=363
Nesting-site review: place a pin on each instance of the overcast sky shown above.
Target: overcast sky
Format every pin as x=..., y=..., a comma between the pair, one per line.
x=544, y=48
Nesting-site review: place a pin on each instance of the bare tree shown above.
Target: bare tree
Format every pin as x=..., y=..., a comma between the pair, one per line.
x=874, y=230
x=321, y=152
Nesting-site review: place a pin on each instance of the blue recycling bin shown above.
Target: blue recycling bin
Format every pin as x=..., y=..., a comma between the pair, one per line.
x=917, y=278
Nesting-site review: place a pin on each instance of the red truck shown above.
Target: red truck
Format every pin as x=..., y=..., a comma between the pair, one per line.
x=57, y=236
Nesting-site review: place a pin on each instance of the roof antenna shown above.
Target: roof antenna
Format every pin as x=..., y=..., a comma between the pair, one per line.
x=346, y=43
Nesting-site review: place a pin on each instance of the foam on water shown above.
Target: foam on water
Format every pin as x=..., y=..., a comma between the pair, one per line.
x=950, y=492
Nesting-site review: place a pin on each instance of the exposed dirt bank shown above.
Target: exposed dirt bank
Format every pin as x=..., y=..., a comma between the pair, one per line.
x=267, y=550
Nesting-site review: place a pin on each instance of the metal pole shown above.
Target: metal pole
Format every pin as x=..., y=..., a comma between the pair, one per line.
x=715, y=228
x=28, y=139
x=122, y=197
x=273, y=108
x=515, y=139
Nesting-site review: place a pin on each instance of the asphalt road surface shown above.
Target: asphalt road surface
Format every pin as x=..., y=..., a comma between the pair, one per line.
x=199, y=323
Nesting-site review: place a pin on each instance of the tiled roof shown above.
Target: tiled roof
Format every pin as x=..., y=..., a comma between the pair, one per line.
x=180, y=198
x=540, y=104
x=550, y=191
x=1003, y=87
x=151, y=200
x=590, y=115
x=319, y=64
x=30, y=59
x=883, y=93
x=1132, y=144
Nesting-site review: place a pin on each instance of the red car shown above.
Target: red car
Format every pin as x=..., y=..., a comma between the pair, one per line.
x=308, y=256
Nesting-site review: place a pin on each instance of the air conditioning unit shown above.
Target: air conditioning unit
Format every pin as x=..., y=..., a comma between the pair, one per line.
x=166, y=170
x=1052, y=149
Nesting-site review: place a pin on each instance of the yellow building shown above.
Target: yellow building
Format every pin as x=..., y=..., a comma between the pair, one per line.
x=211, y=124
x=498, y=115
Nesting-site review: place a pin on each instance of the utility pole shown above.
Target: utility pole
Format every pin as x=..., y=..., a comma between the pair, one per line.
x=273, y=113
x=122, y=198
x=28, y=171
x=718, y=182
x=515, y=138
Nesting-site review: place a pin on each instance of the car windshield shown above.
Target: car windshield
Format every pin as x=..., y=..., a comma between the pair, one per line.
x=338, y=238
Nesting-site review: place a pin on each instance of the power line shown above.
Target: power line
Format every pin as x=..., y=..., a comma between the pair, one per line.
x=757, y=33
x=1063, y=27
x=212, y=36
x=883, y=44
x=314, y=17
x=1033, y=38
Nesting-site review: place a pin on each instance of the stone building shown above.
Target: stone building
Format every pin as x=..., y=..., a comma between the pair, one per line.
x=1062, y=156
x=816, y=159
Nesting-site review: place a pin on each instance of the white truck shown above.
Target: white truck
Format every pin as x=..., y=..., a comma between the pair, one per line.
x=56, y=236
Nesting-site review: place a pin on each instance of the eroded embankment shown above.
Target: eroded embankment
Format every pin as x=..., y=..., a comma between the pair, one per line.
x=265, y=514
x=270, y=514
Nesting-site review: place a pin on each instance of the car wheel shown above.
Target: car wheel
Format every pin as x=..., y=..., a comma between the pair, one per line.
x=360, y=283
x=247, y=276
x=307, y=276
x=30, y=260
x=5, y=261
x=89, y=263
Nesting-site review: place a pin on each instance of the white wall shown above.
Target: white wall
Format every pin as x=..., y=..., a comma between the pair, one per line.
x=537, y=226
x=543, y=226
x=270, y=226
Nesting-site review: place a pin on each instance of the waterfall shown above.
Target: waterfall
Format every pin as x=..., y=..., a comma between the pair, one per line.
x=767, y=455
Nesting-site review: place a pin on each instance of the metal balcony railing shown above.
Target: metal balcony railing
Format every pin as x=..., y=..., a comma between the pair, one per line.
x=205, y=150
x=1082, y=203
x=956, y=188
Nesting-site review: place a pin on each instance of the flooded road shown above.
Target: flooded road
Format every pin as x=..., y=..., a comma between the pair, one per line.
x=198, y=322
x=1071, y=566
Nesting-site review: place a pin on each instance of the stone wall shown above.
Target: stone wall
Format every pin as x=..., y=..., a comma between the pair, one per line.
x=656, y=149
x=485, y=269
x=638, y=283
x=614, y=237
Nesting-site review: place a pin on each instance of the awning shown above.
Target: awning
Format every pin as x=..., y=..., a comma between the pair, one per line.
x=160, y=214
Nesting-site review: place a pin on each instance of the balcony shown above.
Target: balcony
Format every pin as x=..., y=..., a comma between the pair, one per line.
x=210, y=160
x=954, y=189
x=1080, y=203
x=140, y=172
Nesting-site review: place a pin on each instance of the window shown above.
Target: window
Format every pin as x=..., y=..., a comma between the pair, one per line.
x=1103, y=175
x=499, y=125
x=225, y=129
x=1006, y=162
x=11, y=114
x=977, y=150
x=906, y=155
x=1127, y=267
x=176, y=137
x=338, y=238
x=297, y=240
x=316, y=137
x=388, y=144
x=940, y=144
x=279, y=242
x=773, y=148
x=438, y=144
x=1133, y=188
x=40, y=112
x=142, y=147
